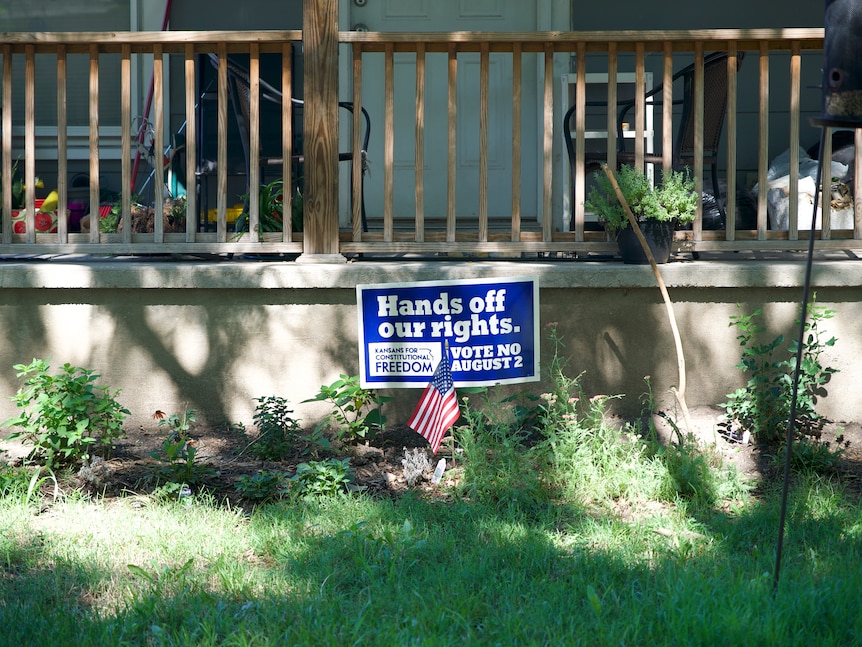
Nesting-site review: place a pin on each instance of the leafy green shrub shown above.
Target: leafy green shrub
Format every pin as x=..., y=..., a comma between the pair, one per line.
x=262, y=486
x=66, y=416
x=322, y=478
x=178, y=455
x=762, y=406
x=356, y=411
x=278, y=430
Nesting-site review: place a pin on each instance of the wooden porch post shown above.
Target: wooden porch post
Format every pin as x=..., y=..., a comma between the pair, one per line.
x=320, y=124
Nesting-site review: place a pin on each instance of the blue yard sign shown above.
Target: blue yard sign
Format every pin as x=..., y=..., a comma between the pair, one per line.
x=490, y=325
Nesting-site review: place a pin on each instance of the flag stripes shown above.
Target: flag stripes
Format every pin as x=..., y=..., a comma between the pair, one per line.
x=438, y=407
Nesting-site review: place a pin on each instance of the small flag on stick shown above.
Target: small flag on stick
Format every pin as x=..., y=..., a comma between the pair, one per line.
x=438, y=407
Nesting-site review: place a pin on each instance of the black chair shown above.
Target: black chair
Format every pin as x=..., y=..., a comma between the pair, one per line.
x=239, y=93
x=714, y=111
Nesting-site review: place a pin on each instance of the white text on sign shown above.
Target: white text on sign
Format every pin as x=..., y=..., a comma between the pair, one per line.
x=461, y=330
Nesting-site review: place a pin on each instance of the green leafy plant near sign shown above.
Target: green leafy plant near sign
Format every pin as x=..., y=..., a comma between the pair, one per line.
x=66, y=417
x=499, y=466
x=356, y=411
x=762, y=406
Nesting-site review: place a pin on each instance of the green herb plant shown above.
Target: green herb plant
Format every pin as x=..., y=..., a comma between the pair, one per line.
x=356, y=411
x=178, y=456
x=66, y=417
x=673, y=200
x=762, y=406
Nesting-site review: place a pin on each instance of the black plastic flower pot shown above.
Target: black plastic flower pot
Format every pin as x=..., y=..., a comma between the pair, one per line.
x=659, y=237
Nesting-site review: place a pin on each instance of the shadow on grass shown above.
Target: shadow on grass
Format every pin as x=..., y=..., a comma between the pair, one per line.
x=415, y=571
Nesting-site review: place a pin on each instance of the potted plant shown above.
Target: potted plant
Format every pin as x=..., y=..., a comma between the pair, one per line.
x=271, y=209
x=18, y=188
x=658, y=210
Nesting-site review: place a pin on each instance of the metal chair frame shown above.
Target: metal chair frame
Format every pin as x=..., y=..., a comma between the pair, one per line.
x=239, y=92
x=715, y=110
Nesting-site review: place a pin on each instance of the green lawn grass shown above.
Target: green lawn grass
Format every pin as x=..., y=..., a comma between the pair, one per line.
x=357, y=570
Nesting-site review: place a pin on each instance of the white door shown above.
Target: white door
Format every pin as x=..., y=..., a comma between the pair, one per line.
x=450, y=15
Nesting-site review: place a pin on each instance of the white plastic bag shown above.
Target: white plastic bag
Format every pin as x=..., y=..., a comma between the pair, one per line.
x=778, y=206
x=778, y=194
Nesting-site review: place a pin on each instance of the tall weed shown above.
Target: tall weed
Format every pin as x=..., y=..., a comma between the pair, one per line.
x=500, y=467
x=590, y=457
x=279, y=433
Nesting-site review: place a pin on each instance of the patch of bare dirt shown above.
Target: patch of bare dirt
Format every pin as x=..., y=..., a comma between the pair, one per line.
x=224, y=458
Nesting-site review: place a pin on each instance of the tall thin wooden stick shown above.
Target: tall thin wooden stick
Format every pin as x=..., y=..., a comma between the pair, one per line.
x=679, y=392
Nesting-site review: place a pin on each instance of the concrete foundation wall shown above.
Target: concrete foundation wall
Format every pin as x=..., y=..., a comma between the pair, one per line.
x=216, y=335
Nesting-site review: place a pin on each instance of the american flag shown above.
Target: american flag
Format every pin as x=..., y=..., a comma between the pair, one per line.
x=438, y=407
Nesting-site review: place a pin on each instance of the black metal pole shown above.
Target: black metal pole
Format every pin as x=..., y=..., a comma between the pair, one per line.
x=791, y=422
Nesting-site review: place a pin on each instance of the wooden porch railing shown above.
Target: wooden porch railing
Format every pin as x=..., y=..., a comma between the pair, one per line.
x=526, y=227
x=156, y=48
